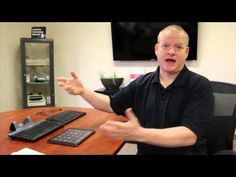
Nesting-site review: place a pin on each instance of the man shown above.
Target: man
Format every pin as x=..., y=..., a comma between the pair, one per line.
x=167, y=110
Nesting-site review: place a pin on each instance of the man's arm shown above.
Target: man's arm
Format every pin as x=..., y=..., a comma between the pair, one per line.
x=74, y=86
x=97, y=100
x=132, y=131
x=167, y=137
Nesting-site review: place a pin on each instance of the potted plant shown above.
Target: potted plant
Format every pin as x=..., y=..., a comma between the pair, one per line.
x=111, y=83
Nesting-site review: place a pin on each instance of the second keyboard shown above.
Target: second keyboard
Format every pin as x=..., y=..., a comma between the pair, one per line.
x=66, y=116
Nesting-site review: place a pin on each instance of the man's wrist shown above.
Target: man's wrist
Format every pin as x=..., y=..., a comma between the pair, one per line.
x=138, y=134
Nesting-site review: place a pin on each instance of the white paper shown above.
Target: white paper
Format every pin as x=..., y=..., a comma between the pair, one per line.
x=27, y=151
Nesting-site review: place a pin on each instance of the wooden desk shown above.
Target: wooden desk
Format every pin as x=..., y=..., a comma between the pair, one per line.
x=96, y=144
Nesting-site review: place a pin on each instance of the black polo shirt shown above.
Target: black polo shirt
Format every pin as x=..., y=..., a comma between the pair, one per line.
x=188, y=102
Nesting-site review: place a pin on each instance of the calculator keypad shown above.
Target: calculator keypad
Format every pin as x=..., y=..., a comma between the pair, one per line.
x=72, y=137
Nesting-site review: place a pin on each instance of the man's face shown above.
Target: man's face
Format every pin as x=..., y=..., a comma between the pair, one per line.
x=171, y=51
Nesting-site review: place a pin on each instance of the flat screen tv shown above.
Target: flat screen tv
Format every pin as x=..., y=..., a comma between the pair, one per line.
x=136, y=40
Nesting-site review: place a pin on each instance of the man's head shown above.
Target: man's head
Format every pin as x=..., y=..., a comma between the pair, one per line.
x=172, y=49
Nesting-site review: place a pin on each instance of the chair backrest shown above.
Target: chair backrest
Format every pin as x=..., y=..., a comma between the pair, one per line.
x=220, y=133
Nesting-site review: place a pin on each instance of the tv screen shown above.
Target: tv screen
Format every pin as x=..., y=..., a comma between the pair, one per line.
x=136, y=40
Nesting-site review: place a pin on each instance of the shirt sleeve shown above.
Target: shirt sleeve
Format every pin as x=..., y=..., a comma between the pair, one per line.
x=199, y=108
x=123, y=99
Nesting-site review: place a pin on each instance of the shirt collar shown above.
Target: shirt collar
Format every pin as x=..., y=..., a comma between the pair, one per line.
x=180, y=79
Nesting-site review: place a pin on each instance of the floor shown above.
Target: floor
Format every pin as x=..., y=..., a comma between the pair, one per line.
x=128, y=149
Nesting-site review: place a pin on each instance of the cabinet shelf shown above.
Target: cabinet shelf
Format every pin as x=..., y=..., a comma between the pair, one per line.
x=36, y=65
x=38, y=83
x=36, y=62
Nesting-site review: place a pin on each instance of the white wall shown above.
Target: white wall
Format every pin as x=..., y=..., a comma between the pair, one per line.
x=86, y=48
x=10, y=78
x=216, y=52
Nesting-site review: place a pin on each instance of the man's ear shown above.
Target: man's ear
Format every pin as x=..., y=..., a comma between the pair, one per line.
x=156, y=47
x=187, y=50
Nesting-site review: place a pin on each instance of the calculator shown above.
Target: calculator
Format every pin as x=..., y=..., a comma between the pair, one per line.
x=71, y=137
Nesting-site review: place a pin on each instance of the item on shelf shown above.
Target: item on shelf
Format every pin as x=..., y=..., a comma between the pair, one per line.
x=36, y=100
x=39, y=61
x=27, y=78
x=41, y=78
x=111, y=83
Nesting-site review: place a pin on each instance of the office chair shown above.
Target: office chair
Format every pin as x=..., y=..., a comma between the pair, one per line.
x=220, y=133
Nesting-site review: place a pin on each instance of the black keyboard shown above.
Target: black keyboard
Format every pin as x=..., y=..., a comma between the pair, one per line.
x=44, y=127
x=36, y=131
x=66, y=116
